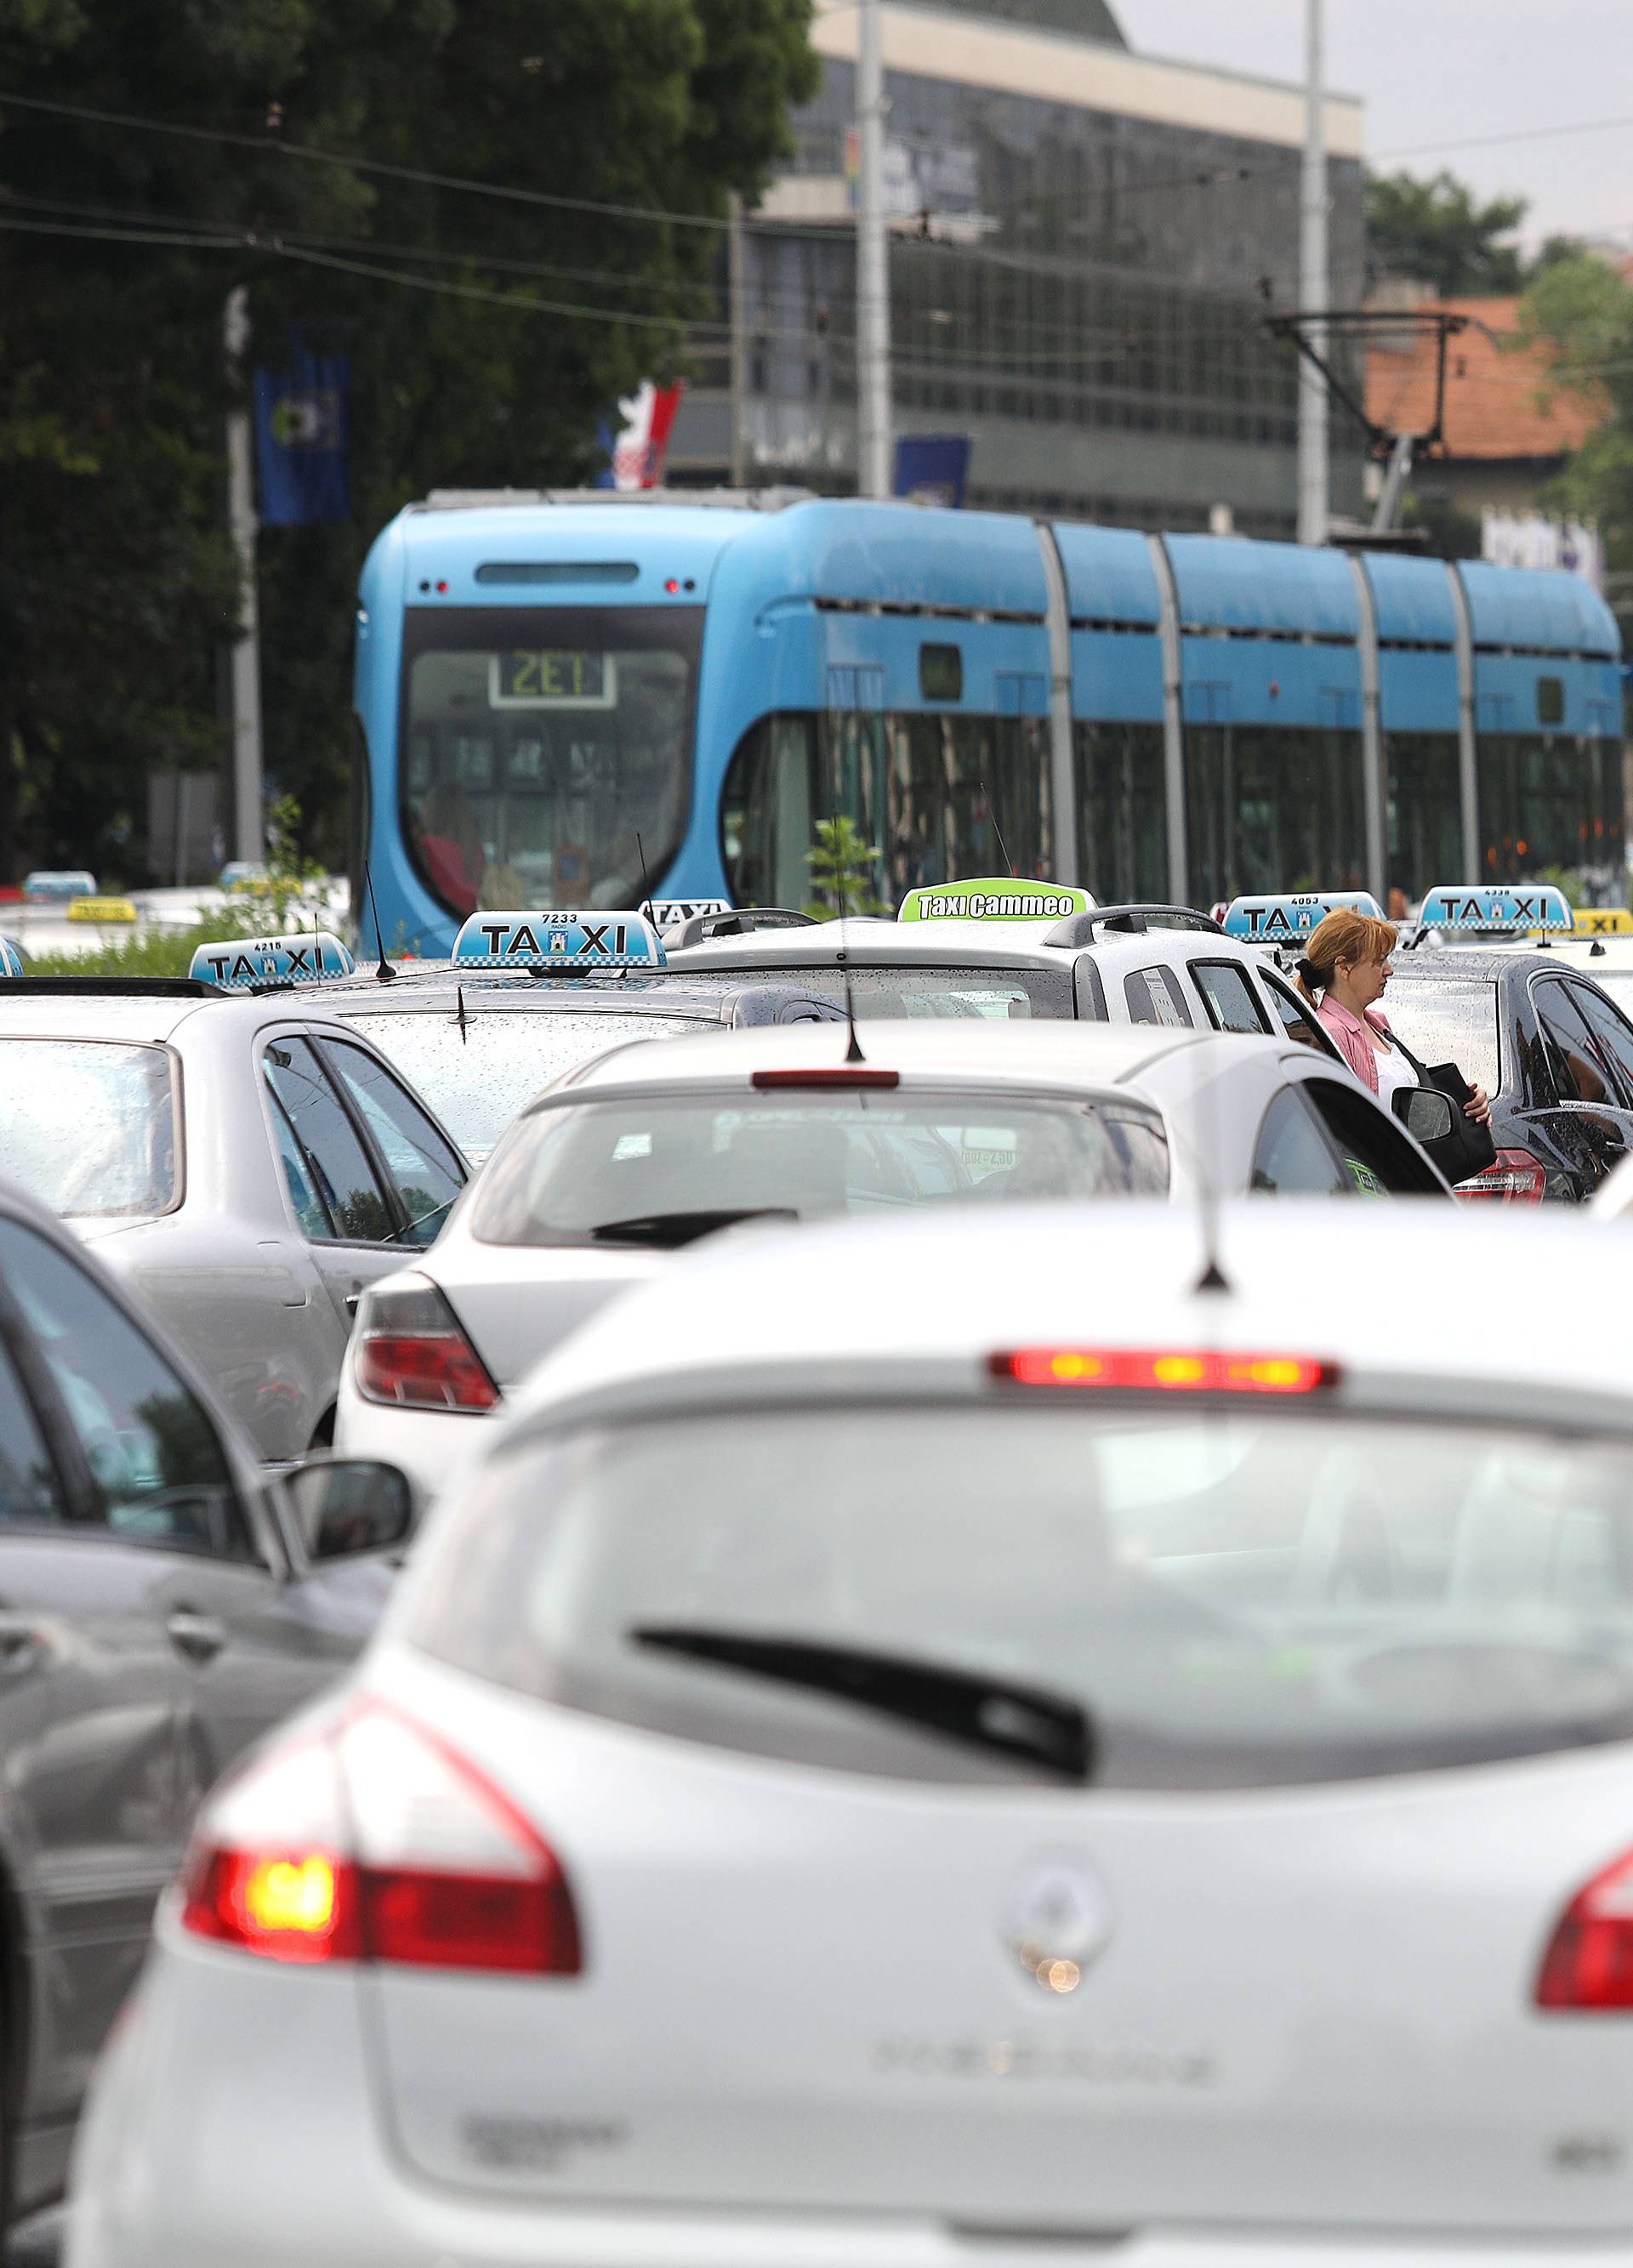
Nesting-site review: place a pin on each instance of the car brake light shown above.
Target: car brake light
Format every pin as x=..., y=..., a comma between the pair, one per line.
x=378, y=1843
x=839, y=1075
x=412, y=1352
x=1170, y=1370
x=1589, y=1961
x=1515, y=1178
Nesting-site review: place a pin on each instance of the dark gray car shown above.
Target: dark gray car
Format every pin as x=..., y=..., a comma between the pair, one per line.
x=162, y=1602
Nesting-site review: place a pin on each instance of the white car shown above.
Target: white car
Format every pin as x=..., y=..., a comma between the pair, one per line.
x=1054, y=1732
x=246, y=1165
x=653, y=1146
x=1145, y=964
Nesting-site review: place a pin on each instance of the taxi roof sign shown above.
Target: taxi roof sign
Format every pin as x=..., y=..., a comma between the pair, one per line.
x=1603, y=921
x=1000, y=898
x=12, y=958
x=568, y=942
x=669, y=913
x=50, y=885
x=1280, y=920
x=101, y=910
x=1517, y=906
x=244, y=964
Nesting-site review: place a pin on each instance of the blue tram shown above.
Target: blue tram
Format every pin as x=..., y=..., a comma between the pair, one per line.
x=566, y=698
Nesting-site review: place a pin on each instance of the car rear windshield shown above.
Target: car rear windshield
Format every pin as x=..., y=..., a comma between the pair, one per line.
x=1449, y=1020
x=1230, y=1598
x=478, y=1076
x=89, y=1126
x=577, y=1173
x=916, y=988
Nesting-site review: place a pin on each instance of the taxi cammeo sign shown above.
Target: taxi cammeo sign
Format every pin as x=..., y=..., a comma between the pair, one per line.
x=999, y=898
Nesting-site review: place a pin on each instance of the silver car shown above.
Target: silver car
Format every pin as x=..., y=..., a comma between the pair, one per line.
x=163, y=1602
x=248, y=1165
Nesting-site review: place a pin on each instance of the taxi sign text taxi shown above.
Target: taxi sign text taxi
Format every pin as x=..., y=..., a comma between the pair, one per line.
x=559, y=938
x=1273, y=920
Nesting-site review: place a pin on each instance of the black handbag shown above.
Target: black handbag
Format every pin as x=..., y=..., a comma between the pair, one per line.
x=1469, y=1149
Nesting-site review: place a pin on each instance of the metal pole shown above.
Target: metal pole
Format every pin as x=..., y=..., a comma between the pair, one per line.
x=737, y=264
x=873, y=267
x=1313, y=291
x=249, y=833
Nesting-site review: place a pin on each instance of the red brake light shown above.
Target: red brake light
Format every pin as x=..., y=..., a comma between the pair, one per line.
x=412, y=1352
x=1170, y=1370
x=1514, y=1177
x=1589, y=1961
x=379, y=1843
x=836, y=1075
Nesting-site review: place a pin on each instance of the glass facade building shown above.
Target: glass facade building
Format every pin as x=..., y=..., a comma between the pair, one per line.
x=1084, y=248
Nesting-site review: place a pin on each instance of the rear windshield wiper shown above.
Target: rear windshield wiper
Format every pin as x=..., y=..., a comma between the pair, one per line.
x=987, y=1712
x=670, y=1230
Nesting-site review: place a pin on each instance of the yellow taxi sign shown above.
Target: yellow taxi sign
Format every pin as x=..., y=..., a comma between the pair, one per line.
x=101, y=910
x=1602, y=921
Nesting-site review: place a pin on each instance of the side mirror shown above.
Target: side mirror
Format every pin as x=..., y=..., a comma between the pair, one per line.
x=1426, y=1113
x=350, y=1506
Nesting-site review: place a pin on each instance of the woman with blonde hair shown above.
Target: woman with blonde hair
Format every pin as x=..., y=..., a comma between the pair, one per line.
x=1347, y=962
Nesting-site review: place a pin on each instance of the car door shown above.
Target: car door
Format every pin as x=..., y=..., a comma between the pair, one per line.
x=1588, y=1118
x=98, y=1441
x=1379, y=1156
x=1610, y=1027
x=352, y=1216
x=1292, y=1156
x=420, y=1167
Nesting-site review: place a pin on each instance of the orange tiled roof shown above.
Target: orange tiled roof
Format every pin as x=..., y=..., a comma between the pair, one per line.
x=1492, y=409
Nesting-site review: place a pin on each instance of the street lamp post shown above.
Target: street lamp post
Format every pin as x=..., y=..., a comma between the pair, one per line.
x=1313, y=289
x=873, y=265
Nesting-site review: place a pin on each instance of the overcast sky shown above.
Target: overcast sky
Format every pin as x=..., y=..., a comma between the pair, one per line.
x=1444, y=71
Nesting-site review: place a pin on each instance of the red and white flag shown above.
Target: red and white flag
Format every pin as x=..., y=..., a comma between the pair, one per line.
x=638, y=451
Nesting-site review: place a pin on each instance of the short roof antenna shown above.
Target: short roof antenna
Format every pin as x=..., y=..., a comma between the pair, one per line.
x=853, y=1053
x=645, y=879
x=992, y=814
x=385, y=972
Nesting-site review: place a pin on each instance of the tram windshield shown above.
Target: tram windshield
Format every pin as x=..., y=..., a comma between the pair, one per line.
x=539, y=743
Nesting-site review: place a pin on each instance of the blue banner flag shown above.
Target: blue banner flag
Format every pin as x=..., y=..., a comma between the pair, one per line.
x=932, y=468
x=303, y=415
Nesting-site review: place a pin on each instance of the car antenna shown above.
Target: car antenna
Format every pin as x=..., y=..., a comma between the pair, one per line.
x=853, y=1053
x=1212, y=1277
x=992, y=814
x=385, y=972
x=645, y=879
x=459, y=1012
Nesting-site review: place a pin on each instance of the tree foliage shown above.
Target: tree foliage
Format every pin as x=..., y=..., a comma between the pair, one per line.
x=1579, y=313
x=118, y=589
x=1437, y=232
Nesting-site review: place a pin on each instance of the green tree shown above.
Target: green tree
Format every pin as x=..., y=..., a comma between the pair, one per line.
x=1436, y=231
x=1579, y=313
x=117, y=586
x=843, y=864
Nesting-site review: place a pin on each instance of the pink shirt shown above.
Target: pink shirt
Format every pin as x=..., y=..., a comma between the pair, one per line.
x=1348, y=1036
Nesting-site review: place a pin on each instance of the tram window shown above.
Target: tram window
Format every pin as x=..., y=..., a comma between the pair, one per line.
x=934, y=794
x=1542, y=803
x=532, y=759
x=1550, y=700
x=1424, y=809
x=941, y=673
x=1273, y=807
x=1122, y=811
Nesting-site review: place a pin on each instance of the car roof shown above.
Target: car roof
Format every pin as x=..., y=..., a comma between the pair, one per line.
x=42, y=1013
x=869, y=940
x=1346, y=1283
x=1043, y=1051
x=526, y=994
x=1470, y=964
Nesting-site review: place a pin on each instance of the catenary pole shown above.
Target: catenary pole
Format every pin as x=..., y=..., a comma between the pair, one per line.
x=1313, y=291
x=737, y=283
x=249, y=833
x=872, y=268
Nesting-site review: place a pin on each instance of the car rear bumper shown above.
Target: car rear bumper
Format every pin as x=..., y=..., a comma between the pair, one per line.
x=433, y=1447
x=233, y=2125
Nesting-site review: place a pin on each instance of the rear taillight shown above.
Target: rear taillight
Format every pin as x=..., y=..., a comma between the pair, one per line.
x=411, y=1352
x=1515, y=1178
x=1589, y=1961
x=378, y=1843
x=1171, y=1370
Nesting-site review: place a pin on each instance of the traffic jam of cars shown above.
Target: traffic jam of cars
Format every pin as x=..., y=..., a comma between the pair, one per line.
x=700, y=1584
